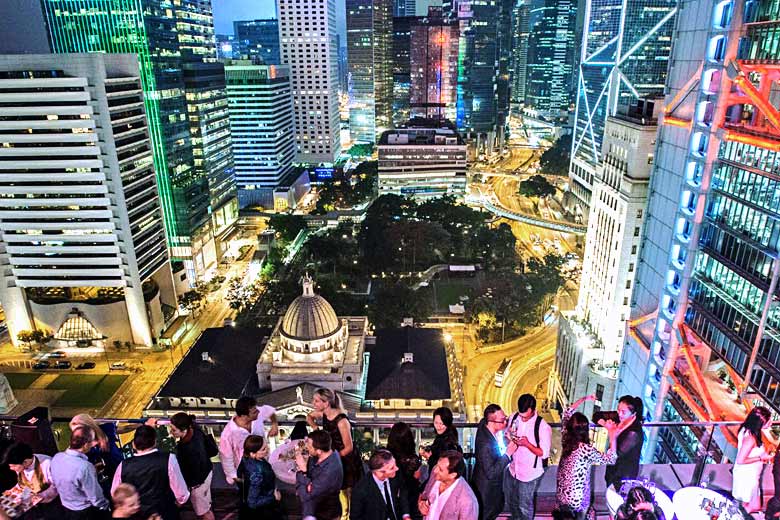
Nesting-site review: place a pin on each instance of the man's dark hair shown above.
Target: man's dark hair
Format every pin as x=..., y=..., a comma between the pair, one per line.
x=144, y=438
x=378, y=459
x=320, y=440
x=490, y=410
x=244, y=404
x=455, y=462
x=80, y=437
x=526, y=402
x=17, y=453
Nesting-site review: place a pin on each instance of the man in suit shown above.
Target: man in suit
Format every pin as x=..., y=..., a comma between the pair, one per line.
x=491, y=462
x=378, y=495
x=448, y=496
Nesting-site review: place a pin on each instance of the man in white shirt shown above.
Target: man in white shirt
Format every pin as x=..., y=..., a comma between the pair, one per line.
x=532, y=436
x=249, y=420
x=156, y=476
x=380, y=495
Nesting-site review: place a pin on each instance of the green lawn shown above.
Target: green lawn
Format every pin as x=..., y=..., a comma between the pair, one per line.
x=85, y=391
x=449, y=292
x=20, y=381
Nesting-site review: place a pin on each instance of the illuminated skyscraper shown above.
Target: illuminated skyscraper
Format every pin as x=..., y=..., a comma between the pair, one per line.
x=402, y=32
x=703, y=309
x=164, y=39
x=591, y=338
x=258, y=40
x=434, y=67
x=624, y=55
x=261, y=121
x=550, y=58
x=520, y=34
x=309, y=43
x=370, y=60
x=83, y=245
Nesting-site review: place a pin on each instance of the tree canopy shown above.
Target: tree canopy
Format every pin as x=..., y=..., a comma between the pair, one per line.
x=555, y=160
x=287, y=226
x=536, y=186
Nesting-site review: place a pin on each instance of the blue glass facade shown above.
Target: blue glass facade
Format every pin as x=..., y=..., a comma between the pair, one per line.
x=258, y=40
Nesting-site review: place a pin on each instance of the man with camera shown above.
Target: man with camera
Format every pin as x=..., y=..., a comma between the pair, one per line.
x=532, y=436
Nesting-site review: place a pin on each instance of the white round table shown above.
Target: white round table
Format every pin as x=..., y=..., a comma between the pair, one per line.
x=688, y=504
x=615, y=500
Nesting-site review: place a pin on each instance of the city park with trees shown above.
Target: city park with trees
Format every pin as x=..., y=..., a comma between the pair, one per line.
x=393, y=265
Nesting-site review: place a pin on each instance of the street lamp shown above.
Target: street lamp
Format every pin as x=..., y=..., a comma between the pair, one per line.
x=447, y=337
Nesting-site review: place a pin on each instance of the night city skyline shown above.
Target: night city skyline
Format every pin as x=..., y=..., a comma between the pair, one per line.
x=390, y=259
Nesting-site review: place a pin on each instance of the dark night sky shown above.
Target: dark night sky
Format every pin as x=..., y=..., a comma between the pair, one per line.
x=225, y=11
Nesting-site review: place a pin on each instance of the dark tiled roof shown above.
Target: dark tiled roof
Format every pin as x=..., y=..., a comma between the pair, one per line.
x=288, y=397
x=425, y=378
x=233, y=354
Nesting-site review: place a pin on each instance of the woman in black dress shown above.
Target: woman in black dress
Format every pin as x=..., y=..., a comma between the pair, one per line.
x=446, y=435
x=327, y=408
x=630, y=438
x=400, y=443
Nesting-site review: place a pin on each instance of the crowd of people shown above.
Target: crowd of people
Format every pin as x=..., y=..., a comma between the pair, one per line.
x=318, y=473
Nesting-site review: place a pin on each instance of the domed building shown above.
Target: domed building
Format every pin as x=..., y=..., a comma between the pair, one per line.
x=311, y=344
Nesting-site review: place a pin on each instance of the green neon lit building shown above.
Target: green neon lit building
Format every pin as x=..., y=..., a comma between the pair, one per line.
x=165, y=37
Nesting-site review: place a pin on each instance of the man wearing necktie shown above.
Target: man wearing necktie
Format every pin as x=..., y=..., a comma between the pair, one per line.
x=378, y=495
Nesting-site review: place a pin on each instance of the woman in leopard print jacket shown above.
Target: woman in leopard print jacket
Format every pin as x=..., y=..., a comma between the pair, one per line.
x=577, y=457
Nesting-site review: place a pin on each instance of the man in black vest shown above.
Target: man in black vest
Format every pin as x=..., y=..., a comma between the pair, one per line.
x=155, y=475
x=378, y=495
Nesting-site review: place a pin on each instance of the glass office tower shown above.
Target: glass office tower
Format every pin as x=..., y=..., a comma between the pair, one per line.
x=705, y=337
x=624, y=55
x=370, y=62
x=165, y=38
x=258, y=40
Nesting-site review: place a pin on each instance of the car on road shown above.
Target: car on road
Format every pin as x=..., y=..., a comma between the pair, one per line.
x=41, y=365
x=86, y=366
x=57, y=354
x=502, y=372
x=62, y=364
x=118, y=365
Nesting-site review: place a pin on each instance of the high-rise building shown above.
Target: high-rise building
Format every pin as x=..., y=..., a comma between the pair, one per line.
x=703, y=313
x=425, y=158
x=83, y=242
x=591, y=338
x=550, y=59
x=258, y=40
x=227, y=47
x=312, y=55
x=261, y=121
x=212, y=147
x=370, y=53
x=624, y=55
x=164, y=39
x=520, y=34
x=403, y=8
x=23, y=24
x=433, y=89
x=401, y=68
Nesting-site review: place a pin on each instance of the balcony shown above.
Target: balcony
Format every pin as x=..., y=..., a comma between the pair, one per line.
x=704, y=444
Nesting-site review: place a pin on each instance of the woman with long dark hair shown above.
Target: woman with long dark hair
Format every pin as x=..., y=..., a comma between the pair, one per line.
x=637, y=500
x=327, y=407
x=577, y=457
x=194, y=450
x=446, y=435
x=751, y=456
x=401, y=444
x=630, y=438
